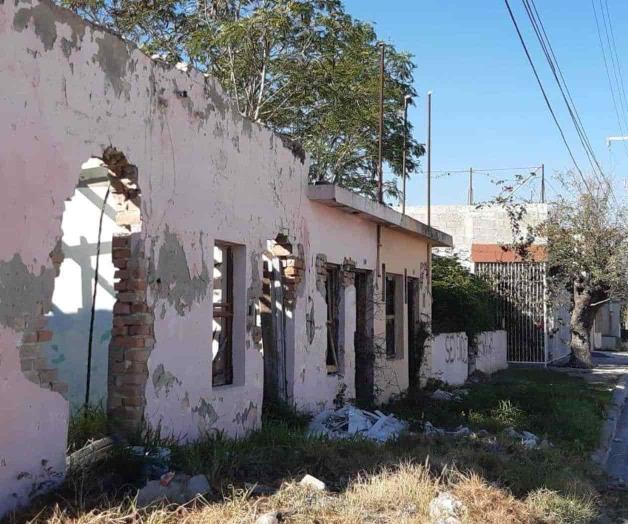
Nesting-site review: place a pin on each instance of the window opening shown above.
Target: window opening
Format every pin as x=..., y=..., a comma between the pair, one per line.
x=222, y=339
x=331, y=294
x=391, y=332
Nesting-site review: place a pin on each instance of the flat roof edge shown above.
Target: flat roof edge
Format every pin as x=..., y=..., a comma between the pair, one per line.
x=335, y=196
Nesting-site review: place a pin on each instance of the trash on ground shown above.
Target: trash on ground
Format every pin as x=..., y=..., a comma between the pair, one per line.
x=179, y=490
x=350, y=421
x=528, y=440
x=432, y=431
x=443, y=395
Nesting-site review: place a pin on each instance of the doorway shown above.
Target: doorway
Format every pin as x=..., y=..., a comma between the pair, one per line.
x=415, y=344
x=363, y=339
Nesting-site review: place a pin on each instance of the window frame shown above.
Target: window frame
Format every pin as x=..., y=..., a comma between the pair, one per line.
x=332, y=300
x=224, y=310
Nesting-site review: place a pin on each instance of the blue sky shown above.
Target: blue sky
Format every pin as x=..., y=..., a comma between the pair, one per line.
x=487, y=110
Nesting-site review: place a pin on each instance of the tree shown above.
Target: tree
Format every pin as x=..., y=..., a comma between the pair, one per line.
x=587, y=237
x=305, y=68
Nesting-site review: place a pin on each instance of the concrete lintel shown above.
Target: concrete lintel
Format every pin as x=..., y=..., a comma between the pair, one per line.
x=335, y=196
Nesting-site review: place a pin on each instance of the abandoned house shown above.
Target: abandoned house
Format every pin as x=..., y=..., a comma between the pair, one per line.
x=167, y=259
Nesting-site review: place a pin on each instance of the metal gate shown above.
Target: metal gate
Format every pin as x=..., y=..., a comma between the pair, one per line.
x=520, y=290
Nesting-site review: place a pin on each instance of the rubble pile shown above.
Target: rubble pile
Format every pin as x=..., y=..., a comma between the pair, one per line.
x=350, y=422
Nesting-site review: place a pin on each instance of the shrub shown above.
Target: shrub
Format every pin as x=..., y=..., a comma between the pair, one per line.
x=461, y=300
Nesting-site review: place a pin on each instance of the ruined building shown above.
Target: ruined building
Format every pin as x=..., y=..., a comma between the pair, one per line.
x=166, y=258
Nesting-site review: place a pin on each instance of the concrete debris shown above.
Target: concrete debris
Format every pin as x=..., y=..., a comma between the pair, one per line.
x=273, y=517
x=349, y=422
x=528, y=440
x=182, y=66
x=446, y=509
x=312, y=482
x=457, y=394
x=432, y=431
x=179, y=490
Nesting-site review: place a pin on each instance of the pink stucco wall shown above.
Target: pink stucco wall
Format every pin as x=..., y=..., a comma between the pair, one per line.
x=67, y=91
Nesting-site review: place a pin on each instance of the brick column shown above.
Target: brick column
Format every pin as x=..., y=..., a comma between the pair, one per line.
x=132, y=335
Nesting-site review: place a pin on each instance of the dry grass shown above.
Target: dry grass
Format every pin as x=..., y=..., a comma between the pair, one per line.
x=399, y=495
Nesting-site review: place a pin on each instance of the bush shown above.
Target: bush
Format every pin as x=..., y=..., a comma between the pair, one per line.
x=461, y=300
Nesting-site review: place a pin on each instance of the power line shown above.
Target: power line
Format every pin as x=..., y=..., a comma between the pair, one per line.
x=552, y=60
x=608, y=75
x=547, y=102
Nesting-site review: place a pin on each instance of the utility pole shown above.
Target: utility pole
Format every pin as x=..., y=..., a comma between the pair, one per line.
x=380, y=183
x=543, y=183
x=406, y=99
x=429, y=158
x=470, y=186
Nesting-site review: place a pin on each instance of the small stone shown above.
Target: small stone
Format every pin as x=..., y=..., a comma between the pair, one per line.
x=312, y=482
x=439, y=394
x=445, y=509
x=483, y=434
x=460, y=432
x=269, y=518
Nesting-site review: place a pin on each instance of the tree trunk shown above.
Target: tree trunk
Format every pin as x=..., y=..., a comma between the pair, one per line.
x=582, y=317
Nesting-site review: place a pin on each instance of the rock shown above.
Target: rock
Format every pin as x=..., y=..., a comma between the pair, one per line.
x=483, y=434
x=259, y=490
x=439, y=394
x=459, y=432
x=197, y=485
x=446, y=509
x=545, y=444
x=511, y=433
x=529, y=440
x=313, y=483
x=432, y=431
x=180, y=489
x=273, y=517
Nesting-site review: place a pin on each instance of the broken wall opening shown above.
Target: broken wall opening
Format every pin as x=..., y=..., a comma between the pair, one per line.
x=80, y=320
x=283, y=271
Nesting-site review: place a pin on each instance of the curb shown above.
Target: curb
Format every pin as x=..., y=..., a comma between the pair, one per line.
x=600, y=456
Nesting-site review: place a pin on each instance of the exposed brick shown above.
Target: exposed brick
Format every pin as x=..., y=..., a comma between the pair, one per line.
x=139, y=308
x=44, y=336
x=30, y=351
x=134, y=379
x=133, y=401
x=136, y=285
x=119, y=241
x=121, y=273
x=119, y=331
x=137, y=355
x=60, y=387
x=29, y=337
x=121, y=285
x=120, y=252
x=120, y=263
x=121, y=309
x=139, y=330
x=32, y=376
x=27, y=364
x=138, y=319
x=130, y=297
x=47, y=376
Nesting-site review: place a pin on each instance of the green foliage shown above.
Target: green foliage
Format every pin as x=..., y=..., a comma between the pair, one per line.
x=461, y=300
x=305, y=68
x=86, y=424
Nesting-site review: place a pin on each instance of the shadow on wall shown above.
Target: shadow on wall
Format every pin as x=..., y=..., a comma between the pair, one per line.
x=68, y=350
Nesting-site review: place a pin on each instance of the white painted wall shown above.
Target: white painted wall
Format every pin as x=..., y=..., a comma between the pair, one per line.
x=70, y=317
x=491, y=352
x=450, y=357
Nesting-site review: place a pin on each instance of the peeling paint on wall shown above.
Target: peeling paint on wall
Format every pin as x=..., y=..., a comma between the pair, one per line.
x=23, y=293
x=164, y=380
x=172, y=281
x=206, y=412
x=248, y=417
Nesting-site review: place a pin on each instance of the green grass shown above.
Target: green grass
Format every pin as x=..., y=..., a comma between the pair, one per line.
x=86, y=424
x=560, y=480
x=565, y=409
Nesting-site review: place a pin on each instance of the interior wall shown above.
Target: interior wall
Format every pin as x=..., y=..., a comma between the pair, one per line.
x=70, y=317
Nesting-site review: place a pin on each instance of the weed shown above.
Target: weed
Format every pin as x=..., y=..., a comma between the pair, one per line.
x=87, y=424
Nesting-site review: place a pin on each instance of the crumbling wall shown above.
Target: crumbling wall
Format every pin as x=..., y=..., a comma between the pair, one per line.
x=70, y=91
x=405, y=256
